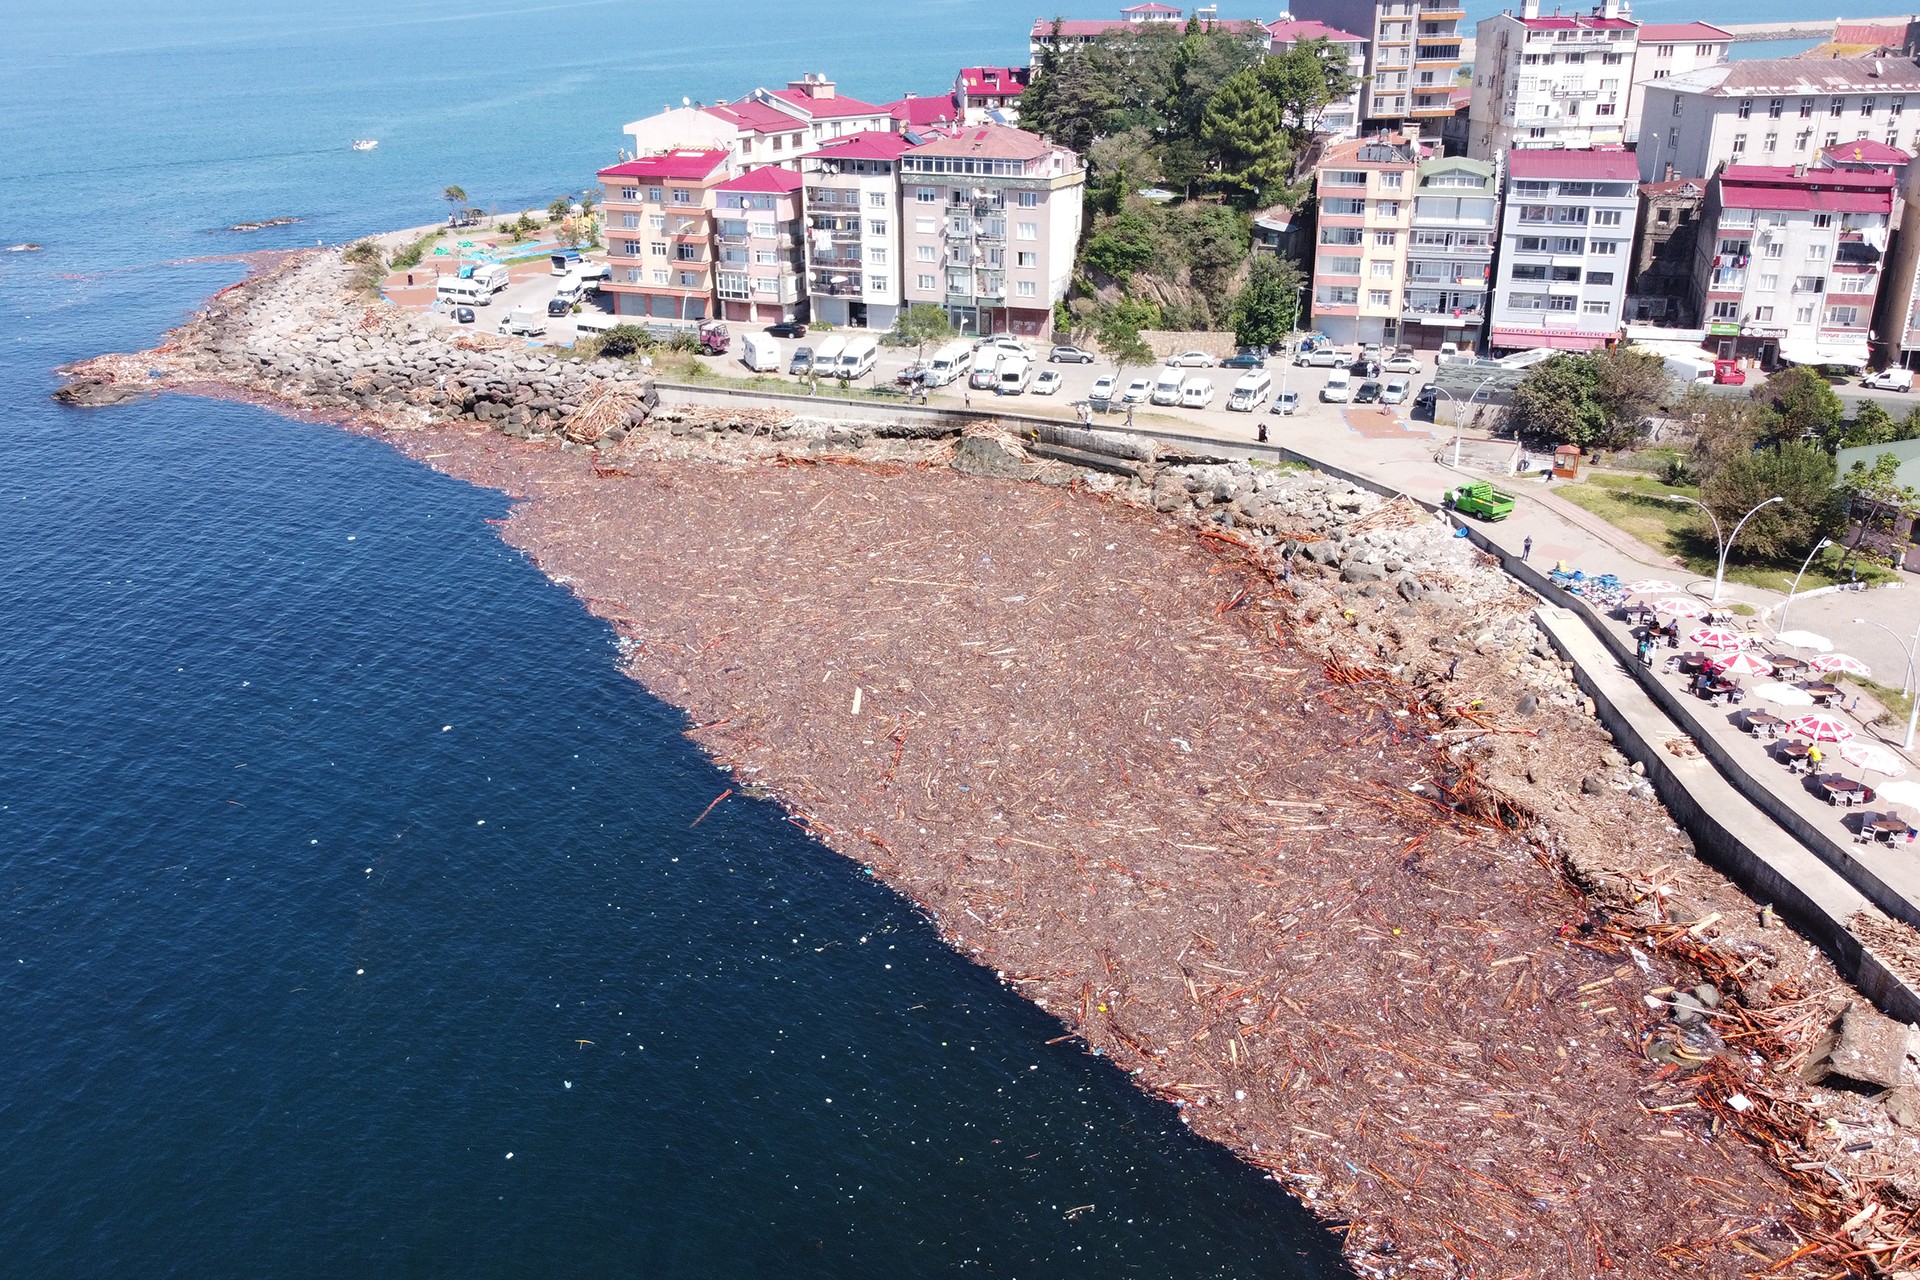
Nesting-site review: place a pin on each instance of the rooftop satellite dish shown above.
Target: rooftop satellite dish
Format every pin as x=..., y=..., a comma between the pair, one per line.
x=686, y=101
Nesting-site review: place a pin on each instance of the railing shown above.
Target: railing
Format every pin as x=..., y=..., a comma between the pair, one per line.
x=1454, y=313
x=733, y=240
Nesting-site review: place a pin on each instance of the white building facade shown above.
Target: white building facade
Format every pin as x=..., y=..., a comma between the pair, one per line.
x=1551, y=82
x=1566, y=246
x=1456, y=217
x=1337, y=119
x=1668, y=49
x=852, y=194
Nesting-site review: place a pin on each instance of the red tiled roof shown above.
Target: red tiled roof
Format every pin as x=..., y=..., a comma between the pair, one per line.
x=1784, y=175
x=921, y=112
x=1761, y=186
x=685, y=166
x=995, y=141
x=1302, y=29
x=1865, y=151
x=1002, y=80
x=756, y=117
x=1682, y=33
x=827, y=108
x=1873, y=33
x=1153, y=8
x=868, y=144
x=767, y=178
x=1595, y=164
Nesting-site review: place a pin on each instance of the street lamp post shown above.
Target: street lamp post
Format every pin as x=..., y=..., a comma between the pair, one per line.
x=1455, y=402
x=1726, y=542
x=1913, y=716
x=1285, y=362
x=1780, y=624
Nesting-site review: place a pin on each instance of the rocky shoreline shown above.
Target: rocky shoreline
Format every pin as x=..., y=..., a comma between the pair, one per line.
x=1270, y=790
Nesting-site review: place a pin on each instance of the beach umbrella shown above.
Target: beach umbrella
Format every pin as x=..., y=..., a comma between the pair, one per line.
x=1741, y=664
x=1832, y=662
x=1716, y=638
x=1650, y=587
x=1873, y=758
x=1681, y=607
x=1783, y=694
x=1820, y=728
x=1900, y=793
x=1803, y=640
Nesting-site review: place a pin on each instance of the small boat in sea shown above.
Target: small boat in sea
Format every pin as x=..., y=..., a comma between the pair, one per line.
x=365, y=144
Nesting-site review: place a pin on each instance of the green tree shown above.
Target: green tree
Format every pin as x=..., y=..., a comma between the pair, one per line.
x=1263, y=310
x=1120, y=245
x=1125, y=162
x=1116, y=330
x=1876, y=503
x=1558, y=400
x=920, y=324
x=1871, y=425
x=1801, y=474
x=1806, y=406
x=1199, y=70
x=454, y=196
x=559, y=208
x=1243, y=135
x=1304, y=81
x=1632, y=385
x=1209, y=242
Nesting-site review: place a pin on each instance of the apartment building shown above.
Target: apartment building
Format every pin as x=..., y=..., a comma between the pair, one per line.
x=990, y=94
x=768, y=126
x=1366, y=192
x=1557, y=81
x=1667, y=49
x=1660, y=282
x=760, y=273
x=1566, y=231
x=1456, y=216
x=1340, y=119
x=658, y=213
x=1413, y=53
x=854, y=267
x=1775, y=111
x=989, y=219
x=1788, y=262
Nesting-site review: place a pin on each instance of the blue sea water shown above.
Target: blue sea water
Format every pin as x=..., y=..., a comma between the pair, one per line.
x=352, y=921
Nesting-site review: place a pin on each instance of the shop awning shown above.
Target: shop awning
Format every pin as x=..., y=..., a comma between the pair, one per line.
x=1852, y=355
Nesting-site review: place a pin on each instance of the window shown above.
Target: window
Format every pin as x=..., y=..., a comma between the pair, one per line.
x=1027, y=230
x=1336, y=296
x=1731, y=246
x=1774, y=107
x=925, y=195
x=630, y=221
x=1803, y=314
x=1806, y=108
x=926, y=284
x=682, y=195
x=877, y=255
x=1802, y=139
x=1606, y=217
x=1386, y=239
x=1027, y=258
x=653, y=194
x=1773, y=249
x=1673, y=137
x=1726, y=311
x=877, y=284
x=1025, y=288
x=1763, y=314
x=631, y=248
x=662, y=277
x=1746, y=107
x=1809, y=284
x=1831, y=140
x=1390, y=181
x=630, y=193
x=1604, y=248
x=923, y=225
x=765, y=257
x=1662, y=74
x=1379, y=297
x=1848, y=316
x=1896, y=106
x=1382, y=270
x=633, y=275
x=877, y=227
x=1029, y=200
x=689, y=279
x=876, y=199
x=925, y=253
x=1529, y=271
x=1388, y=208
x=1597, y=308
x=1739, y=143
x=1823, y=220
x=657, y=249
x=1770, y=143
x=1837, y=106
x=1676, y=104
x=1340, y=266
x=1866, y=106
x=1770, y=282
x=1663, y=50
x=1346, y=178
x=1816, y=253
x=1600, y=277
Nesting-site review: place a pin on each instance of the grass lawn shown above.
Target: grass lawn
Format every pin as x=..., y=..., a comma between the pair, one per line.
x=1637, y=504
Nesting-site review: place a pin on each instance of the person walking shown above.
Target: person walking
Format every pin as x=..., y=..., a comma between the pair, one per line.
x=1526, y=548
x=1263, y=433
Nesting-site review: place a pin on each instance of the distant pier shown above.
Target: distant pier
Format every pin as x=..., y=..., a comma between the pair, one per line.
x=1799, y=29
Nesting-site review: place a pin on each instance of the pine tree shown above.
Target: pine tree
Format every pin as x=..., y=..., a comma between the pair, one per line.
x=1242, y=132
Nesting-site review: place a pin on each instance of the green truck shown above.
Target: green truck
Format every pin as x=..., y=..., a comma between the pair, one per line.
x=1480, y=499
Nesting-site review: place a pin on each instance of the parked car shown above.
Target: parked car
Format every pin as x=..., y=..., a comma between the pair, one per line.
x=1245, y=359
x=1047, y=383
x=1286, y=402
x=559, y=306
x=1425, y=397
x=1192, y=360
x=463, y=315
x=1066, y=353
x=1006, y=342
x=788, y=329
x=1368, y=393
x=802, y=361
x=1137, y=391
x=911, y=376
x=1395, y=391
x=1402, y=362
x=1890, y=380
x=1363, y=367
x=1102, y=393
x=1321, y=358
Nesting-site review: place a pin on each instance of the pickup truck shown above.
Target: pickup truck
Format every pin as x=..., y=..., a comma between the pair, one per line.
x=1480, y=499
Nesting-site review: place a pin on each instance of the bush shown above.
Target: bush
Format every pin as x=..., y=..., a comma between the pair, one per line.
x=683, y=343
x=362, y=252
x=623, y=341
x=410, y=256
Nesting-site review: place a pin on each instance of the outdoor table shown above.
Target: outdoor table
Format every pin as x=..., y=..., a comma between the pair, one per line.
x=1795, y=753
x=1887, y=826
x=1843, y=790
x=1692, y=663
x=1784, y=665
x=1715, y=688
x=1822, y=694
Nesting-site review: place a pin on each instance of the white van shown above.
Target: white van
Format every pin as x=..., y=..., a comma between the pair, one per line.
x=948, y=364
x=569, y=290
x=596, y=322
x=1167, y=389
x=856, y=358
x=453, y=290
x=760, y=353
x=492, y=277
x=1015, y=373
x=826, y=354
x=1196, y=393
x=1339, y=388
x=985, y=370
x=593, y=274
x=1250, y=392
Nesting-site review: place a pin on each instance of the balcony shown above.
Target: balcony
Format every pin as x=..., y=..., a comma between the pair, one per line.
x=733, y=241
x=835, y=284
x=1434, y=8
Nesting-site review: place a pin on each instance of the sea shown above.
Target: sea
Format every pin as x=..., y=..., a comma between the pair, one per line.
x=356, y=917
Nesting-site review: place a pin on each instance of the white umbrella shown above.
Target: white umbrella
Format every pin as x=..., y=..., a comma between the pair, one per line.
x=1873, y=758
x=1716, y=638
x=1681, y=607
x=1650, y=587
x=1900, y=793
x=1831, y=662
x=1804, y=640
x=1783, y=694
